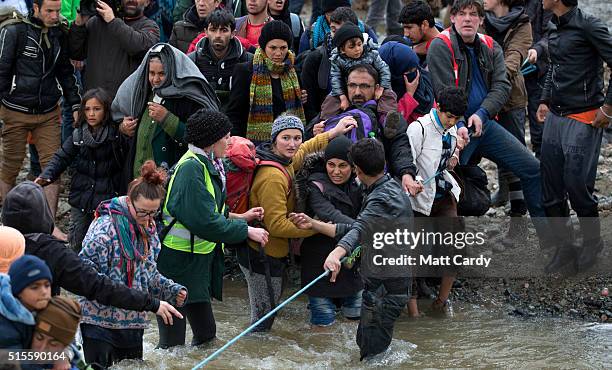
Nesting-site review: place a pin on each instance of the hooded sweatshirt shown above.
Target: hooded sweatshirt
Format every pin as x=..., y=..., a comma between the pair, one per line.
x=107, y=247
x=400, y=58
x=26, y=209
x=16, y=322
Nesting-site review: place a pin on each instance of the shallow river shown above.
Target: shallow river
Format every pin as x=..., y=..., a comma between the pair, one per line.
x=471, y=337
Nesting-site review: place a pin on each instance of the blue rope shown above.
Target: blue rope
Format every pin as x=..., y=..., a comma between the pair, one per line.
x=294, y=296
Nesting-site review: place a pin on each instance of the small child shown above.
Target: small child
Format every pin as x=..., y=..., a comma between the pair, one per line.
x=98, y=157
x=55, y=329
x=351, y=50
x=27, y=291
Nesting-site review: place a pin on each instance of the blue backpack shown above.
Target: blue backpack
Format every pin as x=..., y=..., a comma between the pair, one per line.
x=367, y=121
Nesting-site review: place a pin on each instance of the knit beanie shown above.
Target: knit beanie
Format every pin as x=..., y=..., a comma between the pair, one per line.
x=26, y=270
x=331, y=5
x=206, y=126
x=345, y=33
x=286, y=122
x=338, y=148
x=275, y=30
x=12, y=246
x=60, y=319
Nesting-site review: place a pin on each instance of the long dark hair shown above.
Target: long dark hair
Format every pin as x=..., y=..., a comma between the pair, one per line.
x=103, y=97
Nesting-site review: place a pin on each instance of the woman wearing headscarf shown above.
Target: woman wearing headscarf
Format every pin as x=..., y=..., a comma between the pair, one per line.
x=153, y=104
x=411, y=83
x=197, y=224
x=266, y=87
x=332, y=195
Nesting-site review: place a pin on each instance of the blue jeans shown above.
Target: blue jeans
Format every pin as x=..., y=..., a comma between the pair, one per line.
x=323, y=310
x=498, y=145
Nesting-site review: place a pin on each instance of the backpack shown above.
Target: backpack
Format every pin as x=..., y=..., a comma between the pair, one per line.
x=475, y=197
x=8, y=16
x=241, y=164
x=445, y=36
x=367, y=121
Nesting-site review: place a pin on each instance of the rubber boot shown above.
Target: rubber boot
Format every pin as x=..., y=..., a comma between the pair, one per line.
x=560, y=223
x=592, y=243
x=500, y=197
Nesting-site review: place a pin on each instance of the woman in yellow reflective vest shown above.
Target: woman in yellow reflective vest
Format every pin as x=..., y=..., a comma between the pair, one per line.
x=196, y=224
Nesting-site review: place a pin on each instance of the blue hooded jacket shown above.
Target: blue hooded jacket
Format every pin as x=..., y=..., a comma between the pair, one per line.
x=401, y=58
x=16, y=321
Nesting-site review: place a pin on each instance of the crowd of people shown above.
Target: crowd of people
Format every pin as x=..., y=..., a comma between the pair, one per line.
x=239, y=130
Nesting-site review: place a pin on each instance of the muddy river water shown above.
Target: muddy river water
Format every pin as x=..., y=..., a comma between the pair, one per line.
x=472, y=336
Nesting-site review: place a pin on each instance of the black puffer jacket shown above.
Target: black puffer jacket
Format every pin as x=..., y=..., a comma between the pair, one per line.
x=574, y=82
x=186, y=30
x=38, y=61
x=98, y=170
x=336, y=204
x=26, y=210
x=219, y=73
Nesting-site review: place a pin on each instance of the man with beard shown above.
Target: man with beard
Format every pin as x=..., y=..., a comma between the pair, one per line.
x=218, y=53
x=30, y=71
x=249, y=27
x=194, y=22
x=113, y=47
x=362, y=81
x=419, y=26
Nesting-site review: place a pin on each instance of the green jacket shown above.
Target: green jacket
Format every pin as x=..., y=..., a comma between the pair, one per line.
x=69, y=9
x=193, y=206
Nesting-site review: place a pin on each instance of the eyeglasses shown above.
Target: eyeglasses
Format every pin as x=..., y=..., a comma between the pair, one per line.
x=354, y=86
x=145, y=213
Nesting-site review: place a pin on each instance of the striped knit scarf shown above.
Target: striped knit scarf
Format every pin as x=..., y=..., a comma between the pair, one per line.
x=261, y=115
x=133, y=238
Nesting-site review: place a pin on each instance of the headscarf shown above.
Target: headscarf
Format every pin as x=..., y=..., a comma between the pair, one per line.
x=183, y=80
x=400, y=58
x=133, y=238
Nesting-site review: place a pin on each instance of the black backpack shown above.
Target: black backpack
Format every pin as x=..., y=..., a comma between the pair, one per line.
x=475, y=197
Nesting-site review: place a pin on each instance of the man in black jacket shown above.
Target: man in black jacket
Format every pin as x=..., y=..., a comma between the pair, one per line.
x=194, y=21
x=362, y=81
x=29, y=74
x=218, y=53
x=576, y=112
x=26, y=210
x=386, y=207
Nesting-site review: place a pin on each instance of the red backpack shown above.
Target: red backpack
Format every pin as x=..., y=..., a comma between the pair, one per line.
x=241, y=164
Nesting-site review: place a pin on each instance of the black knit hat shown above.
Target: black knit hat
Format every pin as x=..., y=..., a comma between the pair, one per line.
x=205, y=127
x=338, y=148
x=331, y=5
x=275, y=30
x=345, y=33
